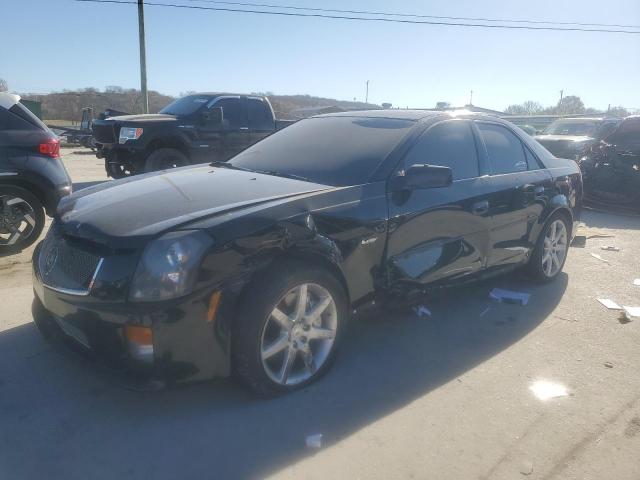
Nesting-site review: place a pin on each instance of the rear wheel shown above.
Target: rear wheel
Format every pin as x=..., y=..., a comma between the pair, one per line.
x=165, y=158
x=551, y=250
x=288, y=328
x=21, y=219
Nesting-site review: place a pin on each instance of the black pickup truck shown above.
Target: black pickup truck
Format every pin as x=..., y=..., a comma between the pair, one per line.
x=198, y=128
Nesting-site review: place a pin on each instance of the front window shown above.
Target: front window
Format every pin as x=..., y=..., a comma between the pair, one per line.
x=186, y=105
x=587, y=128
x=328, y=150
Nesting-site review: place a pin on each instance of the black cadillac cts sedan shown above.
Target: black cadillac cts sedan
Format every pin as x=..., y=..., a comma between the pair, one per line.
x=252, y=267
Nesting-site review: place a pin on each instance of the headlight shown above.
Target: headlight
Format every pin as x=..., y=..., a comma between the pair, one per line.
x=129, y=133
x=169, y=266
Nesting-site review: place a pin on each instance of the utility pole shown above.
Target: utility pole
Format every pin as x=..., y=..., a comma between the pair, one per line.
x=561, y=94
x=143, y=59
x=471, y=98
x=366, y=97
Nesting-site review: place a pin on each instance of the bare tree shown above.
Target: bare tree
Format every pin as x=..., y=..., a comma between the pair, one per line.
x=4, y=87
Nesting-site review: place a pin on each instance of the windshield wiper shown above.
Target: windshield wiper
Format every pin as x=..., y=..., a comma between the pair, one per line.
x=284, y=175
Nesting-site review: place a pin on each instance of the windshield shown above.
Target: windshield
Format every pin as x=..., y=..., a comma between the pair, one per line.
x=328, y=150
x=186, y=105
x=588, y=128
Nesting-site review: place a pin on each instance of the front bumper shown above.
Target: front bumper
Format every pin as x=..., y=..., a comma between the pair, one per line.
x=186, y=346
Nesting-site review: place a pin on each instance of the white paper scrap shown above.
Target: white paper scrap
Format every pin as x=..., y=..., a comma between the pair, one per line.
x=314, y=441
x=632, y=311
x=610, y=304
x=637, y=282
x=507, y=296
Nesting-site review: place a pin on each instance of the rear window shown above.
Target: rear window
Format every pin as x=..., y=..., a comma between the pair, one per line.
x=328, y=150
x=21, y=118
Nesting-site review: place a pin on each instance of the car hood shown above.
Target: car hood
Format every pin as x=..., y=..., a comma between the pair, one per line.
x=123, y=213
x=145, y=118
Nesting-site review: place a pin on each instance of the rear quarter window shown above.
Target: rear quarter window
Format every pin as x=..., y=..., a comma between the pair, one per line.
x=505, y=150
x=21, y=118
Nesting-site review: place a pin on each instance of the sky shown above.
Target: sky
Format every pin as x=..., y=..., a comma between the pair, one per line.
x=62, y=44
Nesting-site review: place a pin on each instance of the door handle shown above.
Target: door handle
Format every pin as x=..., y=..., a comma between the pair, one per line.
x=480, y=208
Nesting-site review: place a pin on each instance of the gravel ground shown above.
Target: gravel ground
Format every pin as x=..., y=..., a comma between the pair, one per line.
x=445, y=396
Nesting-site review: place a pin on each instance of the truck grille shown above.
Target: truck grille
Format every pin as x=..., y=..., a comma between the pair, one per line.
x=104, y=132
x=64, y=267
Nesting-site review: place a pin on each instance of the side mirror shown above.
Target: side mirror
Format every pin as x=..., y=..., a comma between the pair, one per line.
x=213, y=116
x=419, y=176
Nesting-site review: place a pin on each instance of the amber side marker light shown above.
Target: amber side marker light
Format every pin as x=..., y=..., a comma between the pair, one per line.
x=140, y=342
x=214, y=303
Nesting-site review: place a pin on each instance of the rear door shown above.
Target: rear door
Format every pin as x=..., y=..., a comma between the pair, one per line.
x=520, y=188
x=261, y=120
x=440, y=233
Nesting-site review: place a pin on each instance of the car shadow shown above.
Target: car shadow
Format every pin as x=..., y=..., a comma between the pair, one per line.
x=67, y=421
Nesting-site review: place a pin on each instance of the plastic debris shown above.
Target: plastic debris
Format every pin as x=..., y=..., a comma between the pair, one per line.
x=314, y=441
x=526, y=468
x=595, y=255
x=610, y=248
x=545, y=390
x=579, y=241
x=632, y=311
x=623, y=318
x=610, y=304
x=421, y=311
x=637, y=282
x=507, y=296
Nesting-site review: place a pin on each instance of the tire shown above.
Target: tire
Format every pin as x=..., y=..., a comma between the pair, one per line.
x=21, y=219
x=261, y=344
x=538, y=267
x=165, y=158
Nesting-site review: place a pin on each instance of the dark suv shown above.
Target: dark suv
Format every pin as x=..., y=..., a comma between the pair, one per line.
x=32, y=176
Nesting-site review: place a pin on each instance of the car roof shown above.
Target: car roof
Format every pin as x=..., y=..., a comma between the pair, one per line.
x=414, y=115
x=8, y=100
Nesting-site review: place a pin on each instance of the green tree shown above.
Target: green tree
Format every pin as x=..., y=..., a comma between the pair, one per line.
x=570, y=105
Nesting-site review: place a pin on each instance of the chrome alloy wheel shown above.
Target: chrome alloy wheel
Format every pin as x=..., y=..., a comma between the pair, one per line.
x=17, y=220
x=299, y=334
x=555, y=248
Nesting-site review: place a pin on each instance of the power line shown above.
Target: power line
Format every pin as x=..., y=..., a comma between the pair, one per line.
x=412, y=15
x=365, y=19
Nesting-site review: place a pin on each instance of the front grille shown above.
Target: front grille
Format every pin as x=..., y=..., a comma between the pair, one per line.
x=64, y=267
x=104, y=132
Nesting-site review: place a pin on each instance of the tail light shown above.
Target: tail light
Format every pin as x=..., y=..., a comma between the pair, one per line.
x=50, y=148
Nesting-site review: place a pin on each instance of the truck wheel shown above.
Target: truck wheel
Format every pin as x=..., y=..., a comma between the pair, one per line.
x=21, y=219
x=288, y=328
x=165, y=158
x=117, y=169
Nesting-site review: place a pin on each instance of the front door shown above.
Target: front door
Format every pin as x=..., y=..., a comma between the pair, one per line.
x=225, y=140
x=439, y=234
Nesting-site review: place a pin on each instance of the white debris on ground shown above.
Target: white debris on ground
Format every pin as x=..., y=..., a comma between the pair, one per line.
x=632, y=311
x=610, y=248
x=595, y=255
x=314, y=441
x=637, y=282
x=508, y=296
x=422, y=311
x=610, y=304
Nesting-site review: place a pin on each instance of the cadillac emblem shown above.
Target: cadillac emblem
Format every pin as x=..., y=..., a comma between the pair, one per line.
x=50, y=259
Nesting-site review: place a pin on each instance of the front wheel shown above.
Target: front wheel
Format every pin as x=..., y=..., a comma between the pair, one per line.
x=21, y=219
x=287, y=331
x=551, y=250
